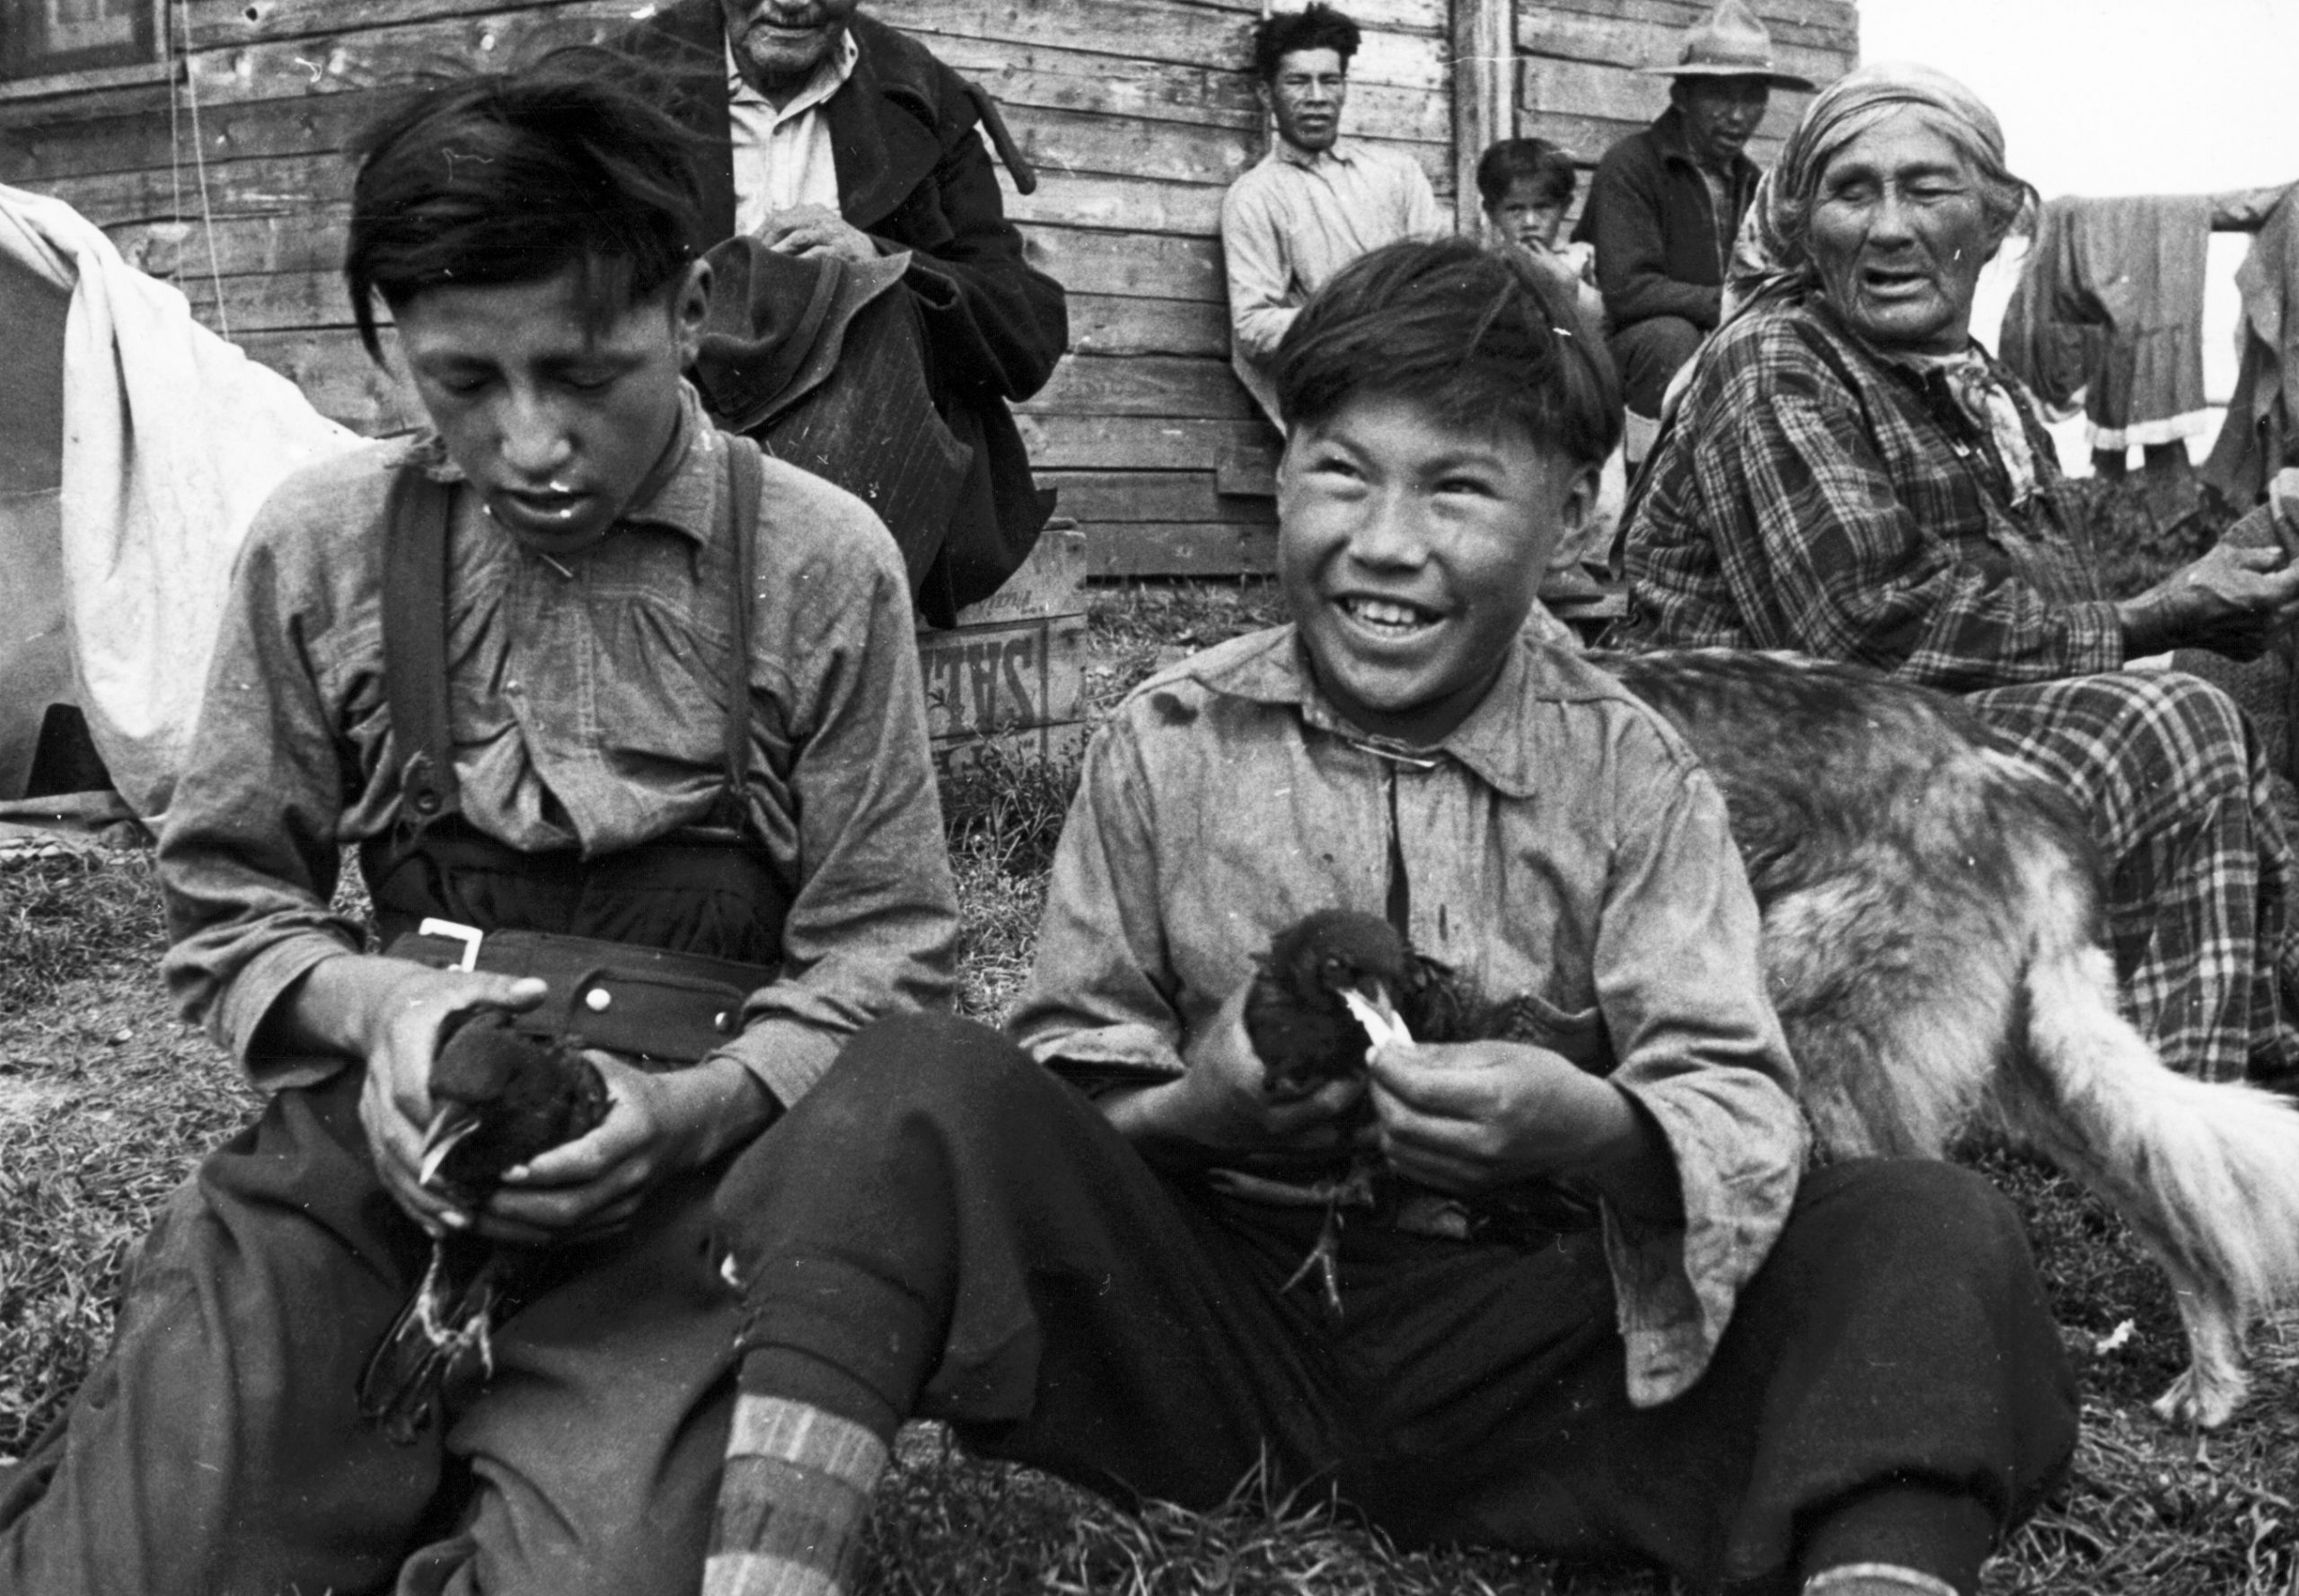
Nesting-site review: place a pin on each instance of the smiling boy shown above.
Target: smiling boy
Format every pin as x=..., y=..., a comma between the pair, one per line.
x=638, y=715
x=1855, y=1383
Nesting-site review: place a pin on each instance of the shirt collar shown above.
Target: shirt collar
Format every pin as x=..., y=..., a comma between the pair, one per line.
x=830, y=76
x=682, y=501
x=1341, y=150
x=1496, y=741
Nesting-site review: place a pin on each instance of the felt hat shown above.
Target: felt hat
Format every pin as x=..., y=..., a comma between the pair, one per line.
x=1729, y=41
x=776, y=325
x=820, y=360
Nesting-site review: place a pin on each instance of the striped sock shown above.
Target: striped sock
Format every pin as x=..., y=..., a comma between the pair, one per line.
x=792, y=1500
x=1876, y=1579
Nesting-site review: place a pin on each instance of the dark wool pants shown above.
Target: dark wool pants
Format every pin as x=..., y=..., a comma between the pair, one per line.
x=218, y=1450
x=1649, y=352
x=992, y=1254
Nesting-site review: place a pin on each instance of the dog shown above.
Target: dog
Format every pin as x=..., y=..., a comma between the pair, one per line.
x=1932, y=921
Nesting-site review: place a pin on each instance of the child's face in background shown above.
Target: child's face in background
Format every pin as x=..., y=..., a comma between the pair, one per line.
x=1410, y=550
x=1525, y=215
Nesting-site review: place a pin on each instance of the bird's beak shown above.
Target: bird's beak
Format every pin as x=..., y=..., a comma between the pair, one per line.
x=450, y=1124
x=1368, y=1003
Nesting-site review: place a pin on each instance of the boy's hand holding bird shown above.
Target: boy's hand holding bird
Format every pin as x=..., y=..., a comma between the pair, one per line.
x=393, y=1015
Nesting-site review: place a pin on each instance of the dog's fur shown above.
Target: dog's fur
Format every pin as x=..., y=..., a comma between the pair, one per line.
x=1932, y=943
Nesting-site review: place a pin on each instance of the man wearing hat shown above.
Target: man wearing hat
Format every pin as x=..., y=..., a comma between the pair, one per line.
x=1665, y=204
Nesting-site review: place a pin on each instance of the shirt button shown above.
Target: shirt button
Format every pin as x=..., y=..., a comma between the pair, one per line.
x=598, y=1000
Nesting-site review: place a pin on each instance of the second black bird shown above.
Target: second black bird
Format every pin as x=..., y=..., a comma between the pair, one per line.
x=1306, y=1034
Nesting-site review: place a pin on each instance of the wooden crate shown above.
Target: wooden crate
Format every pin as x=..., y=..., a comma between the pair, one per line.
x=1014, y=668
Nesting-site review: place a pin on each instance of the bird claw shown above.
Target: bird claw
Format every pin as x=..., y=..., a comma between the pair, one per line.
x=1325, y=1259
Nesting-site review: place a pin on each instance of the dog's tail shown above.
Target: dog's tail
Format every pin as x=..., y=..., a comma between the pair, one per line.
x=2206, y=1173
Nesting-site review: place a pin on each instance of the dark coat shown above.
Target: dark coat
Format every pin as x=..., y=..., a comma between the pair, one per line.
x=912, y=173
x=1651, y=219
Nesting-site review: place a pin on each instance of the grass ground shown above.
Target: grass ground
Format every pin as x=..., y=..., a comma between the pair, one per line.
x=106, y=1102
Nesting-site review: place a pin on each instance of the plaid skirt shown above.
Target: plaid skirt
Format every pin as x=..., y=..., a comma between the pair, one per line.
x=2199, y=864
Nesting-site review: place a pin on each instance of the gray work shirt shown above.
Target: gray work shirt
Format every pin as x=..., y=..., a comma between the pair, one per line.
x=586, y=710
x=1562, y=844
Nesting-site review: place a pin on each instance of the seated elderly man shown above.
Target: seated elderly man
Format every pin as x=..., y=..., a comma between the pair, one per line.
x=1849, y=475
x=823, y=132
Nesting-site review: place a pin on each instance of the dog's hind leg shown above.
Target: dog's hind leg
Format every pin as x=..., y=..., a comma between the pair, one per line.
x=2206, y=1175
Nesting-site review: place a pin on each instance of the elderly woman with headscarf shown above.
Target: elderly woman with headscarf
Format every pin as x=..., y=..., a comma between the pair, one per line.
x=1849, y=475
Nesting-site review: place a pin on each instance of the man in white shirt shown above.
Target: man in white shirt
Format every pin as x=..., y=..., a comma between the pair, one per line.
x=1316, y=202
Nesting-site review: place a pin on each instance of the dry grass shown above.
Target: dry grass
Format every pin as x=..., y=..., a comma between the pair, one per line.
x=105, y=1102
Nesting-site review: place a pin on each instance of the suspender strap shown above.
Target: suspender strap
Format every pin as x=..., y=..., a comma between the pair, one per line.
x=415, y=634
x=744, y=480
x=415, y=643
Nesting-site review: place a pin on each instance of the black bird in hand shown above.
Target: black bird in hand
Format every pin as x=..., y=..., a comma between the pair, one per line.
x=1327, y=985
x=499, y=1098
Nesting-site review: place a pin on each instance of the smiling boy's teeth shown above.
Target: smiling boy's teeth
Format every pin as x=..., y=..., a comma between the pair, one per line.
x=1382, y=613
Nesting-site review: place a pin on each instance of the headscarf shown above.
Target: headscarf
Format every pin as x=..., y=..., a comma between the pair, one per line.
x=1770, y=259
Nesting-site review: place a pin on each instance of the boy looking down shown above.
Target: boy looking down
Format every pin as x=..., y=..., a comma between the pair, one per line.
x=1588, y=1308
x=639, y=716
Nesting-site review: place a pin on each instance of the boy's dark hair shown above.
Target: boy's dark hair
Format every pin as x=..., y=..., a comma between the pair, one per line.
x=1546, y=164
x=1315, y=27
x=515, y=177
x=1478, y=338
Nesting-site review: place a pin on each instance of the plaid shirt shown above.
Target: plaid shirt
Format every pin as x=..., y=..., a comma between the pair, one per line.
x=1811, y=496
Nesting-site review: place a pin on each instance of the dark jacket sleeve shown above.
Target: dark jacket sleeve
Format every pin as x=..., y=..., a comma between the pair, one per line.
x=995, y=323
x=1627, y=218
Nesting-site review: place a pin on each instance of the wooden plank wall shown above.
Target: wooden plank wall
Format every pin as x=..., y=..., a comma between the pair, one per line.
x=1137, y=113
x=1578, y=82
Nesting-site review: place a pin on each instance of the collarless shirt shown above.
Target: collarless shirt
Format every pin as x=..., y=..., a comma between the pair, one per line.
x=1561, y=847
x=1294, y=220
x=784, y=158
x=586, y=711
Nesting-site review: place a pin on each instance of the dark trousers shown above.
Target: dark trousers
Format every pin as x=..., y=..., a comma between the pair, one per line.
x=994, y=1255
x=1648, y=353
x=218, y=1450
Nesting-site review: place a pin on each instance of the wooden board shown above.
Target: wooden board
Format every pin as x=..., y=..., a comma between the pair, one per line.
x=1144, y=442
x=1003, y=676
x=1635, y=42
x=1102, y=497
x=339, y=380
x=1014, y=668
x=1622, y=94
x=1151, y=548
x=1107, y=84
x=1827, y=24
x=1102, y=324
x=1146, y=385
x=1151, y=266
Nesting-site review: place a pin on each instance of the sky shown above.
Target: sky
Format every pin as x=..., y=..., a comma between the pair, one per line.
x=2110, y=97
